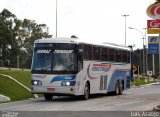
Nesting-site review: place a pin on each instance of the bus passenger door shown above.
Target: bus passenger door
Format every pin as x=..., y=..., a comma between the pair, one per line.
x=80, y=60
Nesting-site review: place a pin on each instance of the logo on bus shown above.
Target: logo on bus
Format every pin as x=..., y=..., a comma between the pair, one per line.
x=43, y=51
x=100, y=67
x=63, y=51
x=94, y=70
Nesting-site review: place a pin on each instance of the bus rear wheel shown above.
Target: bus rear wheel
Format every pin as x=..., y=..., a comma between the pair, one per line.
x=86, y=92
x=119, y=88
x=48, y=96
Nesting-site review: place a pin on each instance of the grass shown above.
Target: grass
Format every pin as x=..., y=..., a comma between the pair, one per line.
x=22, y=76
x=141, y=81
x=13, y=90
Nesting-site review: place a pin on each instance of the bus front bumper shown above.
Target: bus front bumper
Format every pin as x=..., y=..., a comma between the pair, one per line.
x=66, y=90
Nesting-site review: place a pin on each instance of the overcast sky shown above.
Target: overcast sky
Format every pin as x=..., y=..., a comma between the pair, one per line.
x=91, y=20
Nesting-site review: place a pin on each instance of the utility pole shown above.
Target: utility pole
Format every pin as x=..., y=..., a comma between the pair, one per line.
x=125, y=16
x=146, y=53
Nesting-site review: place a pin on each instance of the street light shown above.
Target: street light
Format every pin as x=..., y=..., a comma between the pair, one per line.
x=125, y=27
x=143, y=47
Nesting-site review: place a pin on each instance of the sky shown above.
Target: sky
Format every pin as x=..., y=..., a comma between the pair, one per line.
x=90, y=20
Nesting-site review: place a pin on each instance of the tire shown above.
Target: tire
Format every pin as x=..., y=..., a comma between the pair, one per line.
x=86, y=92
x=117, y=88
x=48, y=97
x=121, y=88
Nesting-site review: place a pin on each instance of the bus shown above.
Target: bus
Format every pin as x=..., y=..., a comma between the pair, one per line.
x=68, y=67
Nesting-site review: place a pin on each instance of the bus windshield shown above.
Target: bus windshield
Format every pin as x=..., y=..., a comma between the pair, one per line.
x=42, y=59
x=59, y=58
x=63, y=60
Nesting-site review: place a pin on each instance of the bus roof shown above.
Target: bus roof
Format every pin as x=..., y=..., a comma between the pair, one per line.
x=77, y=41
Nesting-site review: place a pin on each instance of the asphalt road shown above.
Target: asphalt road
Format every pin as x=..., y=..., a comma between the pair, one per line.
x=134, y=99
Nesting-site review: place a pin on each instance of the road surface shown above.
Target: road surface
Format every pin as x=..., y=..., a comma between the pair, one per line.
x=135, y=99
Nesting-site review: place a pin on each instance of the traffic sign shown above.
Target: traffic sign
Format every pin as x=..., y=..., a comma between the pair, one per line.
x=153, y=23
x=153, y=44
x=153, y=10
x=135, y=69
x=153, y=39
x=153, y=48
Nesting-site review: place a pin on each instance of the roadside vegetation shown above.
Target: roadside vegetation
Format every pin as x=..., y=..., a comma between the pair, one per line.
x=142, y=80
x=22, y=76
x=13, y=90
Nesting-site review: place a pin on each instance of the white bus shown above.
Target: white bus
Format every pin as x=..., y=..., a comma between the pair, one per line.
x=68, y=67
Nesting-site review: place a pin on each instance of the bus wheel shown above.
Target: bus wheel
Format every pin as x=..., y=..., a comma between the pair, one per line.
x=121, y=88
x=86, y=92
x=117, y=88
x=48, y=96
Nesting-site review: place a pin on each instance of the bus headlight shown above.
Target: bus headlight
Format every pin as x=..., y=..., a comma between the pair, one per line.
x=68, y=83
x=36, y=82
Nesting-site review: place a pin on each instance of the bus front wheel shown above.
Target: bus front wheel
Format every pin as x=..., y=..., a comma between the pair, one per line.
x=86, y=92
x=48, y=96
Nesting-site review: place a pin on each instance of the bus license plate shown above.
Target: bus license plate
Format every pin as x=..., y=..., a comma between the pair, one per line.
x=50, y=89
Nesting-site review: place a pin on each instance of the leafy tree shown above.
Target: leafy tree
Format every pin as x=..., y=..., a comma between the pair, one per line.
x=30, y=32
x=17, y=38
x=8, y=45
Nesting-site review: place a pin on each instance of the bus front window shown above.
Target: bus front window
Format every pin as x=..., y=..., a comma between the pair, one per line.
x=64, y=60
x=56, y=58
x=42, y=60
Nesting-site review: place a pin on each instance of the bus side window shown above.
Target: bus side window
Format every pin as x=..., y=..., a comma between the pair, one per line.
x=118, y=55
x=96, y=52
x=112, y=56
x=88, y=53
x=124, y=56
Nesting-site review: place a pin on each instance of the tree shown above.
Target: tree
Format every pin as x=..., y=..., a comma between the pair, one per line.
x=17, y=38
x=30, y=32
x=8, y=45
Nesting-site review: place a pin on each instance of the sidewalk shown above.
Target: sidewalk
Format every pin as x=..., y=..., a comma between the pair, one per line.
x=4, y=98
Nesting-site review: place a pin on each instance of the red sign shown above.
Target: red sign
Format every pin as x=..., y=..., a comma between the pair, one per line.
x=153, y=10
x=153, y=23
